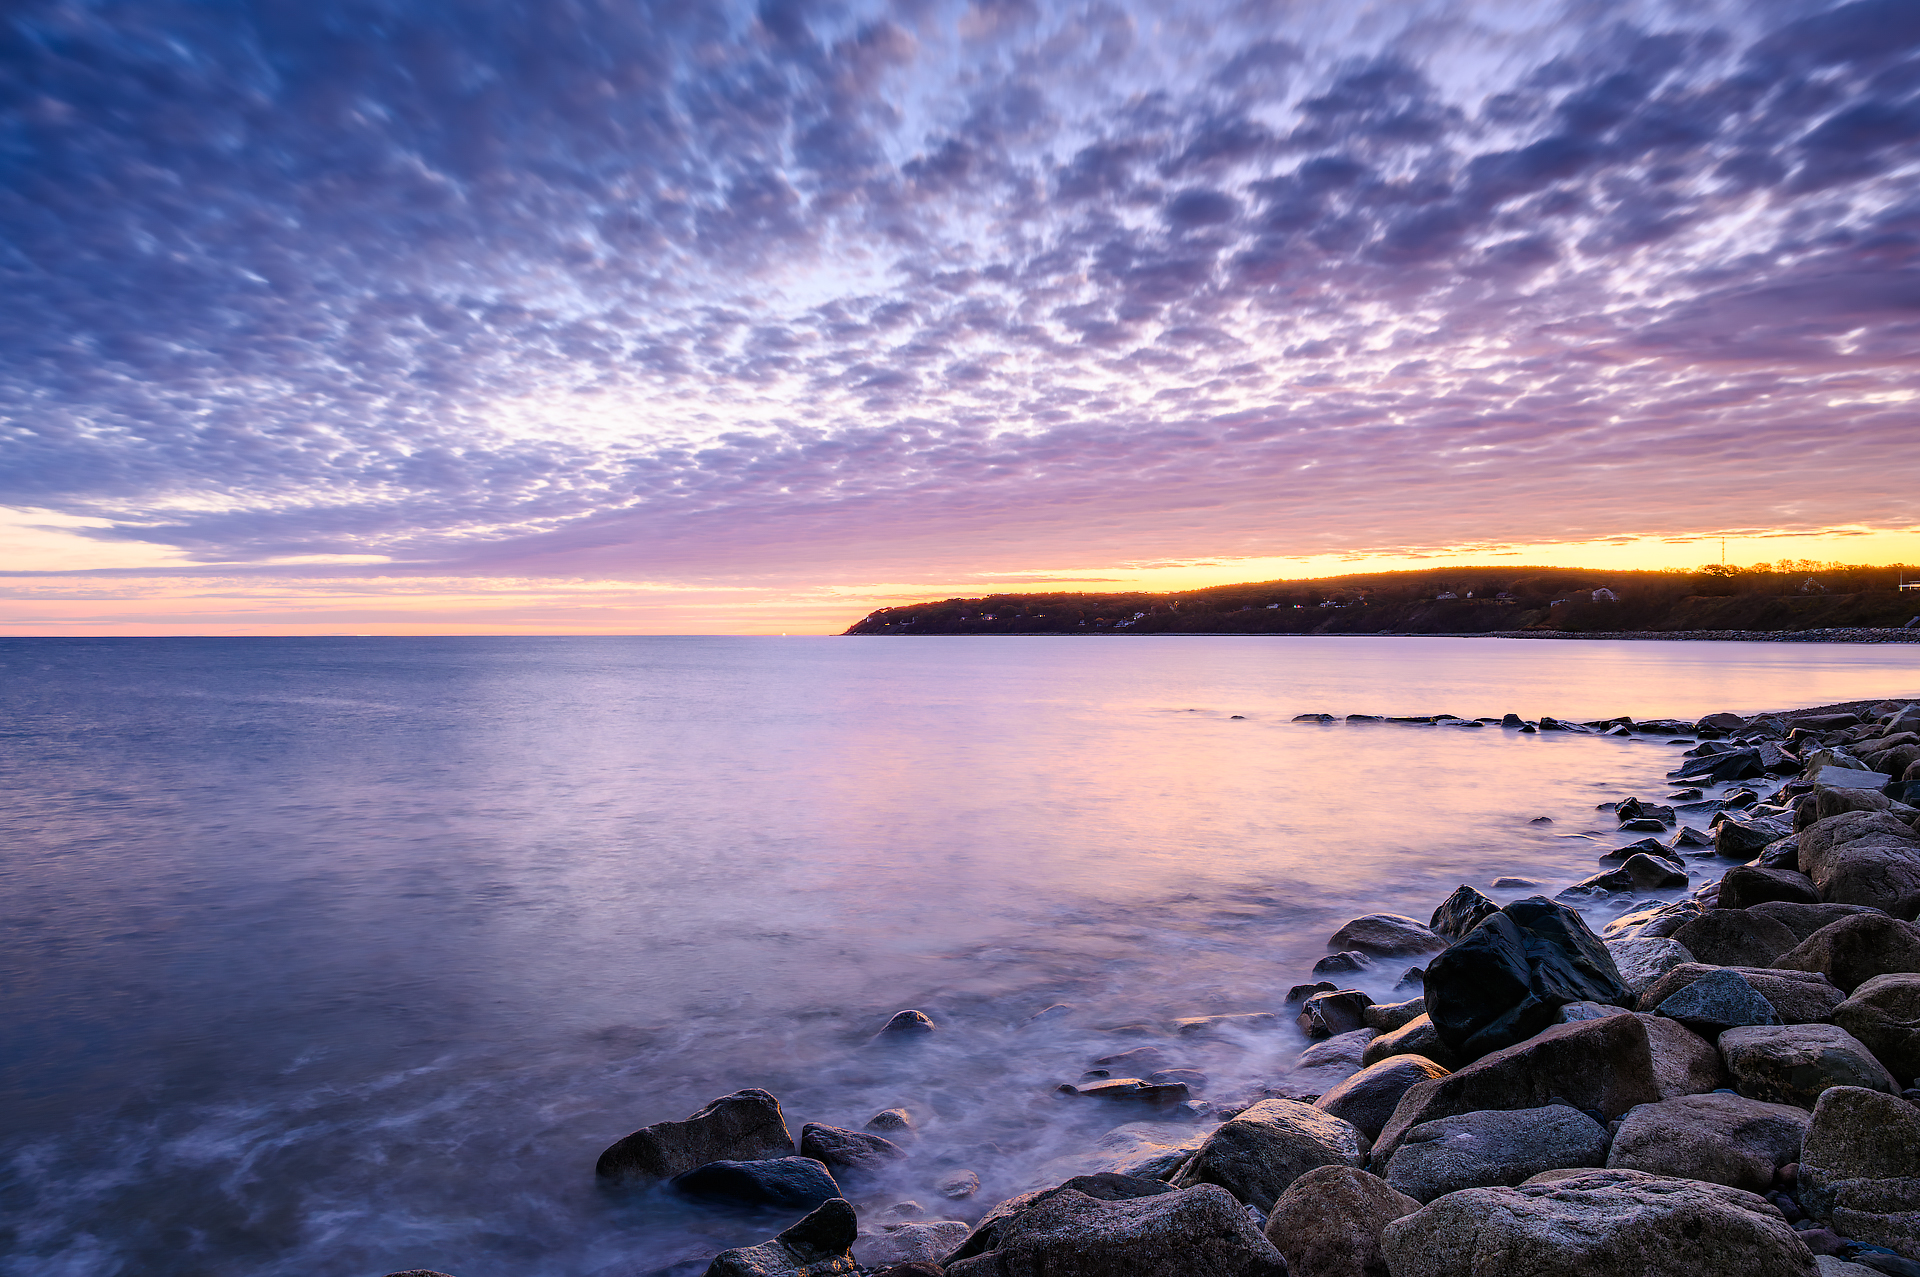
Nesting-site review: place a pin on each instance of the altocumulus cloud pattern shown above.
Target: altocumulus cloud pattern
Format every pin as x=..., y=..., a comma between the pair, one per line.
x=618, y=286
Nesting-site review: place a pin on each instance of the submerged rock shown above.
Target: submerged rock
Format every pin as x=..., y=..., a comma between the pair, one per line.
x=818, y=1246
x=745, y=1126
x=773, y=1181
x=842, y=1149
x=1327, y=1014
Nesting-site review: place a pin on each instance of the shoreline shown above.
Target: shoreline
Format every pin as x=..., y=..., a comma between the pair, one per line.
x=1690, y=1068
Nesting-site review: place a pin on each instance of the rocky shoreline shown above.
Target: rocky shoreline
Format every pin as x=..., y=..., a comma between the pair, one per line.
x=1830, y=635
x=1718, y=1085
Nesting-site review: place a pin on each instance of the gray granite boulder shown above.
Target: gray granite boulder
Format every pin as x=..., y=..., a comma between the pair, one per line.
x=1744, y=886
x=1066, y=1233
x=1328, y=1222
x=1884, y=1013
x=908, y=1243
x=1735, y=938
x=1367, y=1099
x=1864, y=858
x=1642, y=961
x=1605, y=1223
x=1684, y=1063
x=842, y=1149
x=1385, y=1017
x=1853, y=950
x=1725, y=1139
x=1479, y=1150
x=1416, y=1037
x=1257, y=1154
x=818, y=1246
x=1385, y=935
x=1794, y=1063
x=1797, y=997
x=1721, y=999
x=1860, y=1168
x=1804, y=920
x=744, y=1126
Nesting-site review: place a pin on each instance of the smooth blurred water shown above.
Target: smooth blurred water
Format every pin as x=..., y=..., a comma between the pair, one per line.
x=339, y=956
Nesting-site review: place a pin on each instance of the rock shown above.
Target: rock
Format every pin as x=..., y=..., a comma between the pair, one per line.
x=1367, y=1099
x=1598, y=1224
x=1688, y=836
x=1479, y=1150
x=896, y=1123
x=744, y=1126
x=1508, y=977
x=1684, y=1063
x=1884, y=1014
x=1416, y=1037
x=1744, y=886
x=1325, y=1014
x=1860, y=1168
x=841, y=1149
x=1325, y=1064
x=910, y=1243
x=1066, y=1233
x=1343, y=963
x=1141, y=1059
x=1139, y=1150
x=1644, y=825
x=1601, y=1066
x=1214, y=1025
x=1641, y=872
x=1797, y=997
x=958, y=1186
x=1385, y=1017
x=771, y=1181
x=1864, y=858
x=1721, y=722
x=1383, y=934
x=905, y=1026
x=1855, y=949
x=1651, y=846
x=1837, y=775
x=1804, y=920
x=1794, y=1063
x=1735, y=938
x=1301, y=992
x=1574, y=1012
x=1641, y=962
x=1263, y=1150
x=1461, y=912
x=1838, y=802
x=1135, y=1089
x=1739, y=764
x=817, y=1246
x=1724, y=1139
x=1720, y=999
x=1510, y=883
x=1741, y=838
x=1328, y=1222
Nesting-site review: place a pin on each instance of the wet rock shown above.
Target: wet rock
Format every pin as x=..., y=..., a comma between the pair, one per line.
x=1344, y=963
x=1482, y=1149
x=1794, y=1063
x=958, y=1186
x=1342, y=1011
x=1721, y=722
x=1735, y=938
x=1684, y=1063
x=1510, y=883
x=1804, y=920
x=1855, y=949
x=1644, y=824
x=1574, y=1012
x=1719, y=1000
x=744, y=1126
x=905, y=1026
x=841, y=1149
x=1603, y=1223
x=1301, y=992
x=910, y=1243
x=772, y=1181
x=1641, y=872
x=1367, y=1099
x=896, y=1124
x=1601, y=1066
x=1641, y=962
x=1742, y=838
x=1864, y=858
x=1215, y=1025
x=1139, y=1060
x=818, y=1246
x=1739, y=764
x=1383, y=934
x=1388, y=1016
x=1328, y=1222
x=1744, y=886
x=1725, y=1139
x=1133, y=1089
x=1884, y=1014
x=1461, y=912
x=1416, y=1037
x=1650, y=846
x=1797, y=997
x=1065, y=1233
x=1508, y=977
x=1688, y=836
x=1258, y=1154
x=1334, y=1059
x=1860, y=1168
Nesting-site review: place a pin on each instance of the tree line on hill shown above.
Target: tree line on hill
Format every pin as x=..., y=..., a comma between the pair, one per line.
x=1790, y=594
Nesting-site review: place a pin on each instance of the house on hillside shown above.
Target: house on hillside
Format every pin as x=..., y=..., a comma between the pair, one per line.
x=1812, y=586
x=1604, y=595
x=1444, y=595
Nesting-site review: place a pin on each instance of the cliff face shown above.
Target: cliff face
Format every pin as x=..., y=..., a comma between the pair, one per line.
x=1441, y=601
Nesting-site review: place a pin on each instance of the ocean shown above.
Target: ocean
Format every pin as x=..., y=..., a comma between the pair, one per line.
x=335, y=956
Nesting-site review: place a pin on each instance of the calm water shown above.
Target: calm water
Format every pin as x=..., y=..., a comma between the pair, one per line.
x=332, y=956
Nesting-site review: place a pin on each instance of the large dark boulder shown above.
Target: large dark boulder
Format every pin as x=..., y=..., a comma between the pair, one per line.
x=1745, y=886
x=1256, y=1155
x=1797, y=997
x=1860, y=1168
x=1804, y=920
x=1385, y=934
x=1479, y=1150
x=1854, y=950
x=1461, y=912
x=1509, y=977
x=818, y=1246
x=1328, y=1224
x=1735, y=938
x=1884, y=1014
x=744, y=1126
x=1367, y=1099
x=1725, y=1139
x=1066, y=1233
x=773, y=1181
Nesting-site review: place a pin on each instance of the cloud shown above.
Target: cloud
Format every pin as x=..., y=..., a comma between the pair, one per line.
x=666, y=290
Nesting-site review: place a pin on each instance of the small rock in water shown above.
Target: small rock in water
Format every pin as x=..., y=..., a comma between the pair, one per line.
x=1411, y=978
x=1385, y=1017
x=1326, y=1014
x=1461, y=912
x=906, y=1024
x=1342, y=963
x=774, y=1181
x=1138, y=1090
x=1644, y=825
x=1301, y=992
x=1513, y=884
x=848, y=1150
x=1313, y=718
x=1512, y=720
x=820, y=1243
x=891, y=1122
x=1047, y=1015
x=1688, y=836
x=1141, y=1059
x=1541, y=820
x=1381, y=934
x=1207, y=1025
x=959, y=1185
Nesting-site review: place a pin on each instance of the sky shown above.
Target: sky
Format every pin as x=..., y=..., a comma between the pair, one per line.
x=551, y=316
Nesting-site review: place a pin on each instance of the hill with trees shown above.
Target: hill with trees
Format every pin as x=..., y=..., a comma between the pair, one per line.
x=1782, y=596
